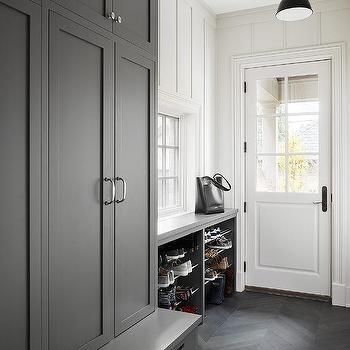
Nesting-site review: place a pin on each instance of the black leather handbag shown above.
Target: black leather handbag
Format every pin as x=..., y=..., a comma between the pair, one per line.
x=210, y=194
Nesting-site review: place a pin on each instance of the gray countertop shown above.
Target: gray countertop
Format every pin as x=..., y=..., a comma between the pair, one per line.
x=159, y=331
x=180, y=226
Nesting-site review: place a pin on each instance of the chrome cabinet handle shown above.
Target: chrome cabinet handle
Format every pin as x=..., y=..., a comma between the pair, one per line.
x=114, y=17
x=111, y=15
x=124, y=190
x=107, y=179
x=317, y=202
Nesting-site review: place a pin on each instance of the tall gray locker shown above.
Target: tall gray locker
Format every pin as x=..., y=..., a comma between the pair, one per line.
x=20, y=120
x=134, y=282
x=80, y=157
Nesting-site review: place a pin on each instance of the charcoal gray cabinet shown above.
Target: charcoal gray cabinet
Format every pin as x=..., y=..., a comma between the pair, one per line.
x=132, y=20
x=101, y=132
x=136, y=22
x=81, y=227
x=135, y=93
x=20, y=174
x=96, y=11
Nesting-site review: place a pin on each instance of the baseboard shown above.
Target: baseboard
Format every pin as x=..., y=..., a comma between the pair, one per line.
x=347, y=303
x=288, y=293
x=240, y=282
x=339, y=294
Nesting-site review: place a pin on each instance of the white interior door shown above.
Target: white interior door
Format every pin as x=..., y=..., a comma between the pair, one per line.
x=288, y=165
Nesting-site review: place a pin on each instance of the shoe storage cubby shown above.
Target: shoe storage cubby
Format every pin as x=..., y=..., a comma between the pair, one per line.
x=180, y=274
x=219, y=261
x=198, y=268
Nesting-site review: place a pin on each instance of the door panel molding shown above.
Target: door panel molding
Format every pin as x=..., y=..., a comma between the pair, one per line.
x=336, y=54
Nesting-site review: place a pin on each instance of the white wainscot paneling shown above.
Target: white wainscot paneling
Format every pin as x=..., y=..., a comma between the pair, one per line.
x=198, y=56
x=184, y=43
x=303, y=33
x=167, y=45
x=268, y=36
x=287, y=243
x=335, y=26
x=234, y=41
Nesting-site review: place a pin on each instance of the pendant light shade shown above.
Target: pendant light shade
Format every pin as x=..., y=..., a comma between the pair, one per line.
x=294, y=10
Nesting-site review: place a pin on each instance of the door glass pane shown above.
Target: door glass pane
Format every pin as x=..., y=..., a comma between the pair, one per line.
x=271, y=135
x=270, y=96
x=303, y=132
x=303, y=107
x=303, y=173
x=303, y=96
x=171, y=131
x=270, y=174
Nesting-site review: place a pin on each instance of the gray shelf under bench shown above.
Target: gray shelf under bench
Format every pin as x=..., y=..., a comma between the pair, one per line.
x=180, y=231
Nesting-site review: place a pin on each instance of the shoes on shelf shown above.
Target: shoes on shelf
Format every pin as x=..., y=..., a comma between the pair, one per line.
x=163, y=271
x=165, y=277
x=167, y=297
x=220, y=243
x=189, y=266
x=207, y=235
x=175, y=254
x=220, y=263
x=181, y=269
x=181, y=252
x=172, y=254
x=190, y=309
x=216, y=232
x=211, y=253
x=210, y=274
x=163, y=281
x=183, y=293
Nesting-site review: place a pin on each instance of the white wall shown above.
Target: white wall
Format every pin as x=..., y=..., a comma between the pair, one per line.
x=253, y=31
x=187, y=66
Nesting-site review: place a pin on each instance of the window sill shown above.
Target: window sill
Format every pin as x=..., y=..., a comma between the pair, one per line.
x=171, y=214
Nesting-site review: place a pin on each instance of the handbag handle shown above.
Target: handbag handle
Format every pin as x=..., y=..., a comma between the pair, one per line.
x=219, y=185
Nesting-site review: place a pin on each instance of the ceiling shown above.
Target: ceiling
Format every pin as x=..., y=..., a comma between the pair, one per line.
x=222, y=6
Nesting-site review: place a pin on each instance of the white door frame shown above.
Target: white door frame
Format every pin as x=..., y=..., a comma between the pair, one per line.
x=336, y=54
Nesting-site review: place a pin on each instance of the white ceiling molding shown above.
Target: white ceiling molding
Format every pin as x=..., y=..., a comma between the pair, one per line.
x=223, y=6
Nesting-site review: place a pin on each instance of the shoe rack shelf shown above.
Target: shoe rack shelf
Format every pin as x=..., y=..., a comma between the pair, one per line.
x=223, y=234
x=195, y=245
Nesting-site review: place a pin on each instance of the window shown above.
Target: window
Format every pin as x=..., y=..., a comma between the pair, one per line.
x=169, y=169
x=288, y=134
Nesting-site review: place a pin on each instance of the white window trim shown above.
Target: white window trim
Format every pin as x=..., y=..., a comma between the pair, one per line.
x=164, y=213
x=192, y=140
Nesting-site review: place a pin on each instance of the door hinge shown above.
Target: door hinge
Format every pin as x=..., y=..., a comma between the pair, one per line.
x=331, y=197
x=245, y=147
x=245, y=266
x=245, y=207
x=245, y=87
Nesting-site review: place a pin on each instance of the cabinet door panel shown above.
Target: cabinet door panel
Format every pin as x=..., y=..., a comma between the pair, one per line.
x=20, y=175
x=80, y=155
x=139, y=22
x=95, y=11
x=134, y=216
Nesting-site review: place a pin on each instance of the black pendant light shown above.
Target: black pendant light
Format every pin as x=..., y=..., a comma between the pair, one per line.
x=294, y=10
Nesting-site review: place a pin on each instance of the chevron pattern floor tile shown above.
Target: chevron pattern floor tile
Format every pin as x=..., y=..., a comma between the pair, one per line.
x=254, y=321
